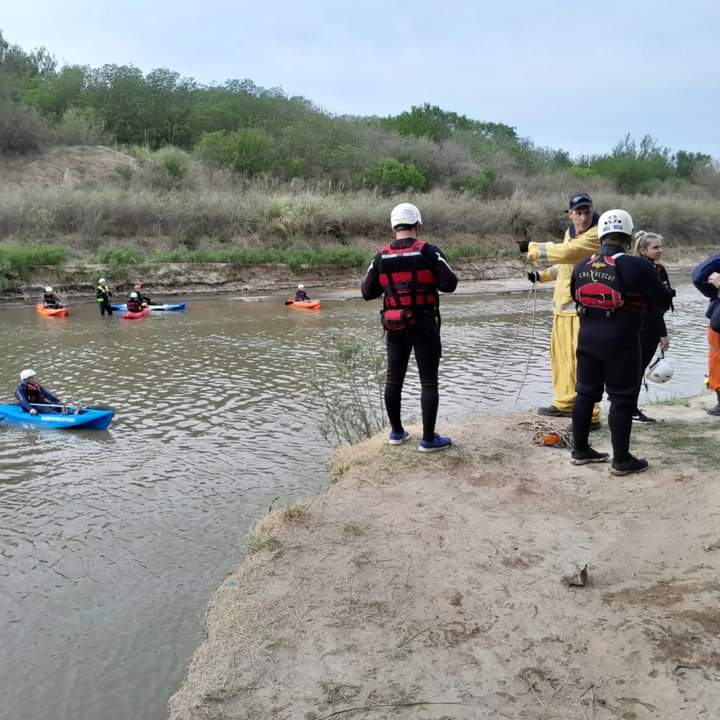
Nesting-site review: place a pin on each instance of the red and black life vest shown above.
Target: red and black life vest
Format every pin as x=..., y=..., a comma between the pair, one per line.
x=598, y=287
x=407, y=278
x=33, y=394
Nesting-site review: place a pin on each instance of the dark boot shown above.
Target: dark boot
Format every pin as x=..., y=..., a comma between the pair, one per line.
x=715, y=410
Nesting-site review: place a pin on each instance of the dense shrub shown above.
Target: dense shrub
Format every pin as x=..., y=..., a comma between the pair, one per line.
x=482, y=183
x=246, y=152
x=390, y=176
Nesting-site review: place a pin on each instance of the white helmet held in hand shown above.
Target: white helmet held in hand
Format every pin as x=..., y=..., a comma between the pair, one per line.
x=405, y=214
x=660, y=371
x=26, y=375
x=48, y=289
x=615, y=221
x=133, y=295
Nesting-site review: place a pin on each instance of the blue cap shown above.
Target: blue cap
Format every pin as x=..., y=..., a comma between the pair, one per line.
x=579, y=200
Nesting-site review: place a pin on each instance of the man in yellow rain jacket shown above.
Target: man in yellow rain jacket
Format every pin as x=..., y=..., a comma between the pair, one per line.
x=581, y=240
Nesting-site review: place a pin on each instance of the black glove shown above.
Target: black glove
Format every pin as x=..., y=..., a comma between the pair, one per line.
x=533, y=276
x=523, y=245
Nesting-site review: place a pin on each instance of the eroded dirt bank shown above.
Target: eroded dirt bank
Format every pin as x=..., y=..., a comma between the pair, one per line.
x=250, y=280
x=432, y=586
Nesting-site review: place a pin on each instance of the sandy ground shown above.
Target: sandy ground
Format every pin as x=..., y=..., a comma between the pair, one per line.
x=436, y=586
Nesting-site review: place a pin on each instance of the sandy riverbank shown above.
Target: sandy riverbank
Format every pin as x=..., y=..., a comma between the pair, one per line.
x=432, y=587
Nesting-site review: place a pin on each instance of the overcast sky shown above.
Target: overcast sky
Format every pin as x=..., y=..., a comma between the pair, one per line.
x=573, y=75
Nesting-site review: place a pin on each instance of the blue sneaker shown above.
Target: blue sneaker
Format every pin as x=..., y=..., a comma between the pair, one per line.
x=398, y=438
x=439, y=442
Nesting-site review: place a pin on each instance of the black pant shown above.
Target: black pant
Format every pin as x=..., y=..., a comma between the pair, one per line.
x=648, y=346
x=424, y=338
x=105, y=307
x=608, y=358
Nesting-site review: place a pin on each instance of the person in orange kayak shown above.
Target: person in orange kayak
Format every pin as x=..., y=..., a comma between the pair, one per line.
x=33, y=397
x=134, y=302
x=50, y=299
x=300, y=294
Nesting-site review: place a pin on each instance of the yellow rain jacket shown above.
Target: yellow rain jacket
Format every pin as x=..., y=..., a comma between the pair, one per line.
x=562, y=258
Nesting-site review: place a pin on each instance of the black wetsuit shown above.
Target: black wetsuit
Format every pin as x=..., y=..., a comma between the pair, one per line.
x=423, y=336
x=51, y=300
x=103, y=295
x=134, y=305
x=653, y=327
x=301, y=296
x=609, y=356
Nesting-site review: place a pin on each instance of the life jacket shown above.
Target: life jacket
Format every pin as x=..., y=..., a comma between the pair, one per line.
x=33, y=393
x=407, y=278
x=598, y=287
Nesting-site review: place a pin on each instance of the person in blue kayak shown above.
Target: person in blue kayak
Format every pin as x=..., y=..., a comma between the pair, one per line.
x=50, y=299
x=134, y=302
x=300, y=294
x=103, y=295
x=33, y=397
x=144, y=299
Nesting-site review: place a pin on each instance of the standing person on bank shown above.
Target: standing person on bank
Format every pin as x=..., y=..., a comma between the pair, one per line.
x=579, y=242
x=706, y=278
x=613, y=291
x=649, y=245
x=103, y=295
x=408, y=273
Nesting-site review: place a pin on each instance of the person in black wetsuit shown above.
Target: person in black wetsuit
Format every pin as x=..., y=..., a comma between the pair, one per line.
x=649, y=245
x=613, y=292
x=300, y=294
x=103, y=295
x=50, y=299
x=408, y=273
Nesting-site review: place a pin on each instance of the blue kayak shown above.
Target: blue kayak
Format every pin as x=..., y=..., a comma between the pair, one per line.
x=87, y=418
x=177, y=307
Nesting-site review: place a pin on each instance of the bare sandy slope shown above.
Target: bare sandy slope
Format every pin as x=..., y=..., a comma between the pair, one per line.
x=432, y=587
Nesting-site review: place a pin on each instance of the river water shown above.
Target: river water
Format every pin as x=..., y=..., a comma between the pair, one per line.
x=111, y=542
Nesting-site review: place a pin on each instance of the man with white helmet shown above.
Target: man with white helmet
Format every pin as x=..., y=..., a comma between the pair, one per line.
x=103, y=295
x=408, y=273
x=50, y=298
x=613, y=292
x=300, y=294
x=33, y=397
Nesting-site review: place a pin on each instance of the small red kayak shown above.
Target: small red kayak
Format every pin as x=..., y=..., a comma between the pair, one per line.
x=136, y=315
x=303, y=305
x=52, y=312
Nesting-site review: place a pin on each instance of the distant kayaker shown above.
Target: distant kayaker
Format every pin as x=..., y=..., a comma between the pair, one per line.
x=134, y=302
x=144, y=299
x=30, y=393
x=50, y=299
x=300, y=294
x=408, y=274
x=103, y=295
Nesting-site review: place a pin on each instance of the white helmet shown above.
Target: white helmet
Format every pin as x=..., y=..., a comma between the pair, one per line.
x=48, y=289
x=133, y=295
x=301, y=286
x=660, y=371
x=405, y=214
x=101, y=281
x=26, y=375
x=613, y=221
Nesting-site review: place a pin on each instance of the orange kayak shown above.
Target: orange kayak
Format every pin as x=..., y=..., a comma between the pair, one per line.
x=304, y=305
x=52, y=312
